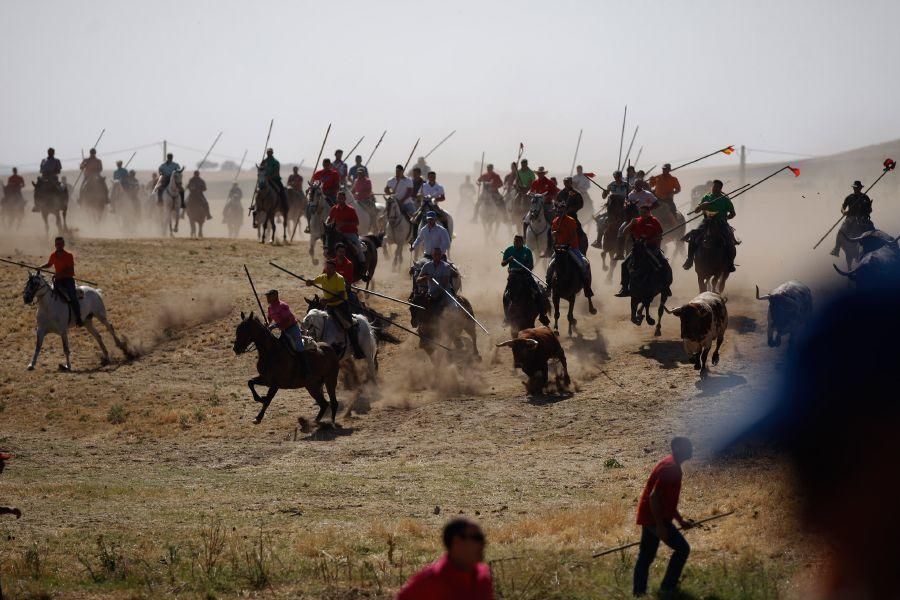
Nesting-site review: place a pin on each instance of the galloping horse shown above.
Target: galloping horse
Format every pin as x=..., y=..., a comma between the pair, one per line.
x=651, y=276
x=852, y=227
x=711, y=259
x=565, y=283
x=523, y=303
x=267, y=204
x=676, y=223
x=441, y=319
x=54, y=315
x=609, y=233
x=170, y=206
x=296, y=207
x=397, y=229
x=493, y=212
x=51, y=198
x=317, y=209
x=195, y=209
x=322, y=328
x=537, y=226
x=278, y=367
x=12, y=208
x=362, y=270
x=94, y=197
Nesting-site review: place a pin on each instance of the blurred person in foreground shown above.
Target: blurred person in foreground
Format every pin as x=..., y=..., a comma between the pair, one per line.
x=460, y=574
x=835, y=418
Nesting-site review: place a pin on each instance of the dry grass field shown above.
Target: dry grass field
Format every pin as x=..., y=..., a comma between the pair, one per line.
x=147, y=478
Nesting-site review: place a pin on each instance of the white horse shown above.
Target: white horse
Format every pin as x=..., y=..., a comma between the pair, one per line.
x=54, y=315
x=365, y=219
x=317, y=209
x=320, y=326
x=396, y=230
x=170, y=207
x=537, y=226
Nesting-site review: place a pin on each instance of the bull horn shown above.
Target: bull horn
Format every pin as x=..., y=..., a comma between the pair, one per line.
x=857, y=239
x=758, y=297
x=506, y=343
x=532, y=343
x=666, y=308
x=844, y=273
x=896, y=239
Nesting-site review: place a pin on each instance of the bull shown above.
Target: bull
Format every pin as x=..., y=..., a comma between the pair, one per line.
x=880, y=264
x=703, y=319
x=532, y=349
x=790, y=305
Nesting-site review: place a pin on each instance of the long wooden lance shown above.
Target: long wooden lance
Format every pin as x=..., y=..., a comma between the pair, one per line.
x=480, y=170
x=575, y=158
x=355, y=146
x=133, y=154
x=265, y=315
x=215, y=141
x=80, y=171
x=627, y=154
x=727, y=150
x=240, y=166
x=252, y=206
x=411, y=152
x=622, y=139
x=315, y=166
x=386, y=297
x=633, y=544
x=38, y=269
x=394, y=323
x=430, y=152
x=374, y=149
x=638, y=157
x=889, y=165
x=461, y=307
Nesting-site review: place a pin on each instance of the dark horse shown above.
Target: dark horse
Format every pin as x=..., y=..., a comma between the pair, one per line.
x=441, y=320
x=267, y=203
x=278, y=366
x=711, y=258
x=523, y=303
x=609, y=242
x=565, y=283
x=94, y=197
x=651, y=276
x=364, y=271
x=51, y=198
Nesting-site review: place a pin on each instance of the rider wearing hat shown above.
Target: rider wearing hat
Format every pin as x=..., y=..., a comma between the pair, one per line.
x=858, y=206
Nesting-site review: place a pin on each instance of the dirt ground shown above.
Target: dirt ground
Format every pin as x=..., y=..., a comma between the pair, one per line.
x=131, y=476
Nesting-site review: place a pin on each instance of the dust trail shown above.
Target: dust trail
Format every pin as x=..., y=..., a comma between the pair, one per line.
x=173, y=315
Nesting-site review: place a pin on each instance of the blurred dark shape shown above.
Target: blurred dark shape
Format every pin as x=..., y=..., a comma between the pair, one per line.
x=836, y=418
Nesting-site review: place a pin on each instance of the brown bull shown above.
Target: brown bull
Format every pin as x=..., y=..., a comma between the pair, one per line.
x=532, y=349
x=703, y=320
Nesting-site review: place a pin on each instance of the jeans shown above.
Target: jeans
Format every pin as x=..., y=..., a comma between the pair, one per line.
x=295, y=337
x=67, y=287
x=647, y=553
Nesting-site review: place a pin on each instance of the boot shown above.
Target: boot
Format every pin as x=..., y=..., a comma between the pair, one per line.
x=690, y=257
x=624, y=292
x=354, y=342
x=836, y=251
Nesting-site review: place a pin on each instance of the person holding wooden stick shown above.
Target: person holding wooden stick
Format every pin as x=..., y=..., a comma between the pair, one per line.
x=657, y=508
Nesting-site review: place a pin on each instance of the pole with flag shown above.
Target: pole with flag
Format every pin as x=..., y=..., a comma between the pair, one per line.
x=727, y=151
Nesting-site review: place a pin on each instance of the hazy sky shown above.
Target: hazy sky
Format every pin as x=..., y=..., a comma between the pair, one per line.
x=811, y=76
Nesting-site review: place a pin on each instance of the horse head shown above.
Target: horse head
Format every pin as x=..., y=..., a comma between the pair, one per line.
x=247, y=333
x=314, y=303
x=537, y=206
x=33, y=285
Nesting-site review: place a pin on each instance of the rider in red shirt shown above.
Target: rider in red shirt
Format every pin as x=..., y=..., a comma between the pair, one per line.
x=543, y=185
x=491, y=183
x=346, y=222
x=330, y=180
x=15, y=183
x=646, y=229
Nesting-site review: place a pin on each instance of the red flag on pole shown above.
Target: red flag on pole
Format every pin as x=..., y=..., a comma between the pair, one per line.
x=795, y=171
x=729, y=150
x=889, y=164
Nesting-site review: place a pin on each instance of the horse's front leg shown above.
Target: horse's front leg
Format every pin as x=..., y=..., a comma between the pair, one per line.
x=265, y=404
x=570, y=316
x=39, y=341
x=659, y=315
x=65, y=343
x=556, y=313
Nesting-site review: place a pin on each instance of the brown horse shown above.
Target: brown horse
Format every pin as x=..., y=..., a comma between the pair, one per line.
x=279, y=367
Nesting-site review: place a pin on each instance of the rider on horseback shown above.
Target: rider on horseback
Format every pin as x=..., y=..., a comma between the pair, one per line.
x=295, y=181
x=335, y=288
x=665, y=187
x=272, y=170
x=357, y=165
x=345, y=221
x=432, y=236
x=340, y=166
x=574, y=202
x=91, y=166
x=344, y=267
x=50, y=166
x=63, y=264
x=615, y=194
x=492, y=183
x=857, y=206
x=401, y=188
x=647, y=229
x=330, y=179
x=197, y=186
x=14, y=184
x=636, y=200
x=166, y=171
x=718, y=210
x=524, y=177
x=362, y=193
x=120, y=173
x=545, y=186
x=520, y=260
x=436, y=270
x=565, y=233
x=280, y=316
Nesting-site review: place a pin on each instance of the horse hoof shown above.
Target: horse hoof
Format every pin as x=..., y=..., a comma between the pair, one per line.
x=256, y=421
x=30, y=368
x=658, y=332
x=64, y=368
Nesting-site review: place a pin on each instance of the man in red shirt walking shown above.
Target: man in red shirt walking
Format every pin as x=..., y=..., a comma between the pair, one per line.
x=460, y=574
x=657, y=508
x=646, y=229
x=63, y=264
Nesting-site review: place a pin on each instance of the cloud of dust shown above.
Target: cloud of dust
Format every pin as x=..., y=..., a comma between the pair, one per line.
x=173, y=315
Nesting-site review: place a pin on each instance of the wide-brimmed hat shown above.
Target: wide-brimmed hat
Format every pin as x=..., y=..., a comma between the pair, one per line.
x=541, y=171
x=857, y=184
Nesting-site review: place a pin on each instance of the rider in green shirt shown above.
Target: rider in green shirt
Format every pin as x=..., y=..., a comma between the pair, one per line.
x=272, y=170
x=520, y=270
x=525, y=176
x=718, y=210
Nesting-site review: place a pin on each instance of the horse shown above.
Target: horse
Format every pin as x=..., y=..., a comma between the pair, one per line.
x=397, y=230
x=12, y=208
x=278, y=367
x=537, y=226
x=233, y=217
x=365, y=219
x=650, y=276
x=54, y=315
x=711, y=260
x=267, y=204
x=442, y=319
x=317, y=211
x=493, y=212
x=322, y=328
x=51, y=198
x=124, y=204
x=608, y=241
x=522, y=305
x=852, y=227
x=674, y=223
x=94, y=197
x=565, y=283
x=195, y=209
x=296, y=208
x=170, y=204
x=376, y=321
x=430, y=204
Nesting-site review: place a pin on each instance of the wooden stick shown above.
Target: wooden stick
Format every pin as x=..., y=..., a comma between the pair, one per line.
x=633, y=544
x=215, y=141
x=622, y=140
x=439, y=144
x=316, y=166
x=265, y=315
x=575, y=158
x=374, y=149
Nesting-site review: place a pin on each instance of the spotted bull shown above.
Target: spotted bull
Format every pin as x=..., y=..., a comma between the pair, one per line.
x=790, y=305
x=532, y=350
x=703, y=320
